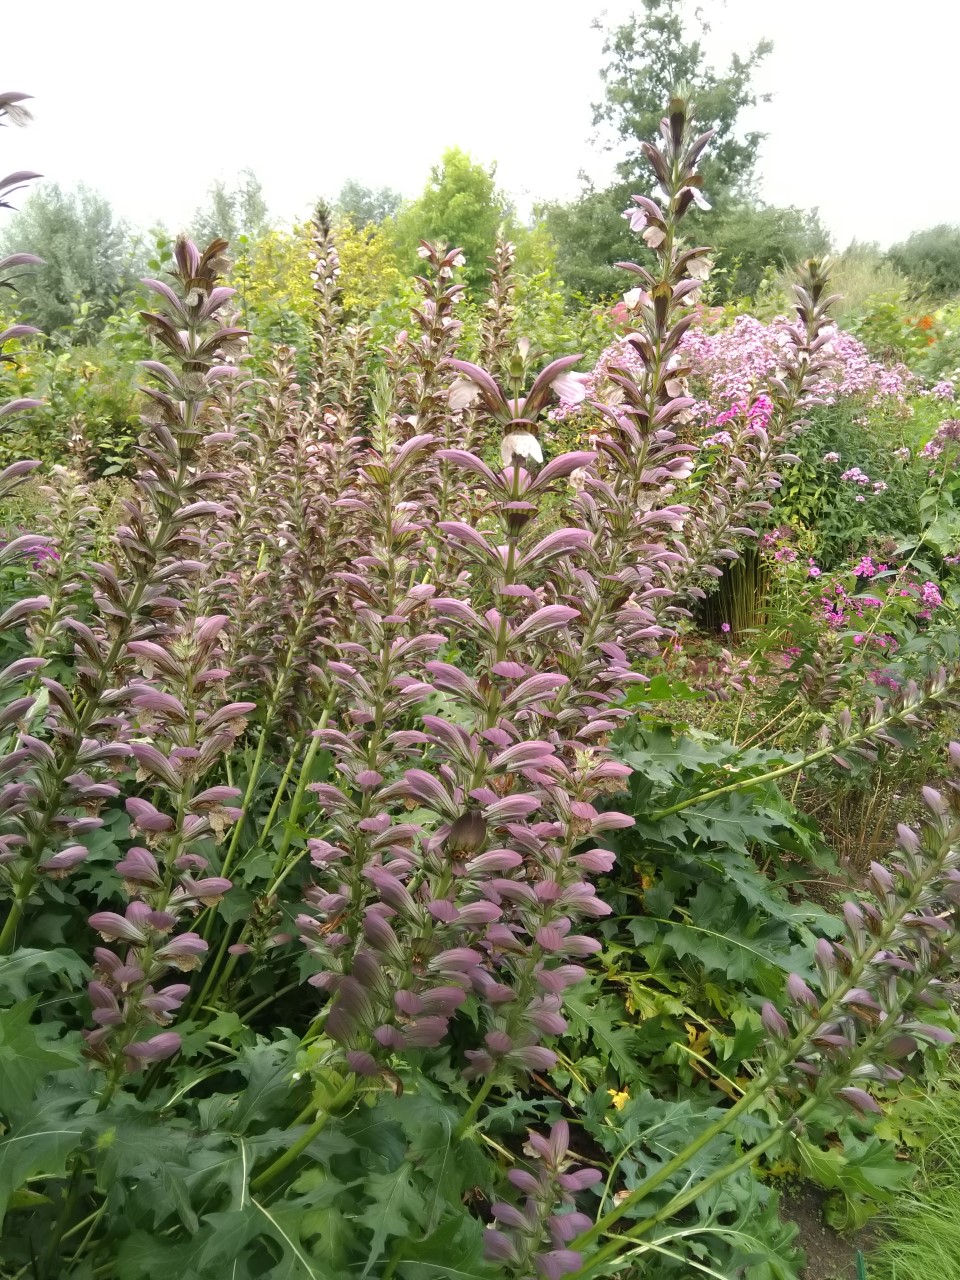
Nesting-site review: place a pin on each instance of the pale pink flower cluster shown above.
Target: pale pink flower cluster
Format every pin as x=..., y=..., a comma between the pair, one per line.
x=737, y=361
x=731, y=365
x=948, y=432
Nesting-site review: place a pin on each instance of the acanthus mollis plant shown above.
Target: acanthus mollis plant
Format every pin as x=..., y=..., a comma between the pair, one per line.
x=486, y=887
x=641, y=451
x=611, y=585
x=59, y=566
x=180, y=731
x=281, y=552
x=245, y=547
x=421, y=358
x=884, y=991
x=514, y=790
x=325, y=274
x=516, y=414
x=282, y=568
x=494, y=347
x=59, y=788
x=533, y=1239
x=418, y=364
x=12, y=111
x=340, y=350
x=372, y=492
x=381, y=650
x=498, y=314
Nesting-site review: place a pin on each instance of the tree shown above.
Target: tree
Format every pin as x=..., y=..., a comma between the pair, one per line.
x=460, y=205
x=230, y=214
x=591, y=236
x=86, y=257
x=931, y=259
x=365, y=206
x=369, y=273
x=749, y=241
x=649, y=58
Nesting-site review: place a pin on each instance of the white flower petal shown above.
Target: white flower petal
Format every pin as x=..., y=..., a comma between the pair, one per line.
x=570, y=387
x=520, y=444
x=462, y=393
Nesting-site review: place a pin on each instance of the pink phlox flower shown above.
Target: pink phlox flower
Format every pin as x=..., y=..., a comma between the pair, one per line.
x=719, y=438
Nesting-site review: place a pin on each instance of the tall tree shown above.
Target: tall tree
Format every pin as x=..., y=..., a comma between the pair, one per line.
x=648, y=58
x=232, y=212
x=591, y=235
x=751, y=241
x=86, y=254
x=652, y=55
x=931, y=259
x=365, y=206
x=460, y=205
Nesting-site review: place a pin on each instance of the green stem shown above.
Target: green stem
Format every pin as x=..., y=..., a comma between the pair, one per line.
x=472, y=1111
x=297, y=801
x=92, y=1221
x=752, y=780
x=15, y=913
x=262, y=1004
x=215, y=980
x=281, y=789
x=112, y=1082
x=247, y=800
x=879, y=942
x=683, y=1198
x=831, y=749
x=287, y=1157
x=63, y=1217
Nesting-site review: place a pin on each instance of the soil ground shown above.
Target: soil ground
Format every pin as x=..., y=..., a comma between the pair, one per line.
x=830, y=1255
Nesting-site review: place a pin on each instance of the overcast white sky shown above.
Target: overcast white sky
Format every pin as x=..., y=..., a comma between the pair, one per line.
x=150, y=101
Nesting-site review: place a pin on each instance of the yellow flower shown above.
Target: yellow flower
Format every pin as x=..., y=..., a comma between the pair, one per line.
x=620, y=1099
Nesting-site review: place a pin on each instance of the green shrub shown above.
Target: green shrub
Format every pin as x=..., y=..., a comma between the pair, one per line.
x=930, y=259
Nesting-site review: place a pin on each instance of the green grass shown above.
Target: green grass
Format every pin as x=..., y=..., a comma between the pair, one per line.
x=924, y=1227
